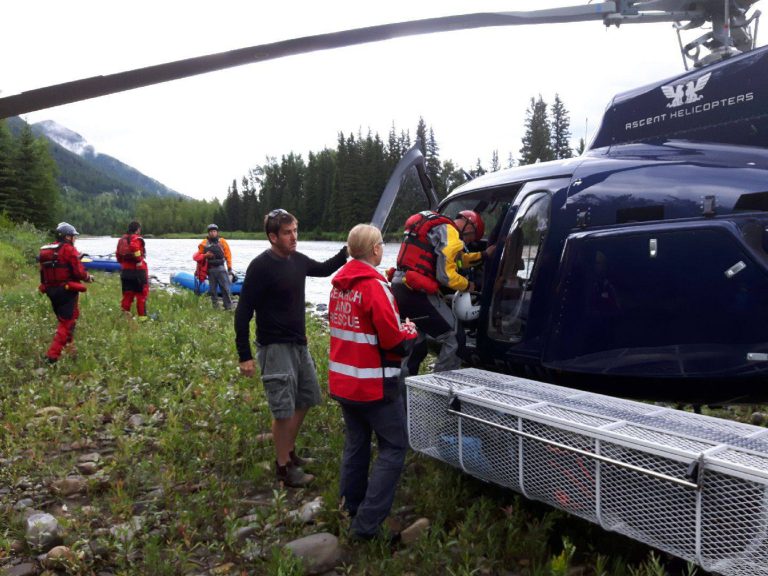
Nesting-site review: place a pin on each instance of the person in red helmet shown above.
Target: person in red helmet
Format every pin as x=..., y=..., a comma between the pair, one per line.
x=431, y=255
x=61, y=277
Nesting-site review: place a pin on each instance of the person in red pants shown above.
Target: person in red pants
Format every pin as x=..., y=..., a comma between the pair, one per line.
x=134, y=274
x=61, y=277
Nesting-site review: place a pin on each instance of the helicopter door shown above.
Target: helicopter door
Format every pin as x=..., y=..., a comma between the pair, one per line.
x=514, y=283
x=409, y=190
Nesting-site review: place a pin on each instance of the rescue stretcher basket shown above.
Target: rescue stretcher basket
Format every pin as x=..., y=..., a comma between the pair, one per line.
x=692, y=485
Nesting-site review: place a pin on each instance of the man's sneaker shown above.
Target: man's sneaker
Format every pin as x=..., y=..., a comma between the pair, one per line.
x=299, y=461
x=293, y=476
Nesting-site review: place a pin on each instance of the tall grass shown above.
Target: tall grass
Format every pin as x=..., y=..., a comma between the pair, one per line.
x=176, y=426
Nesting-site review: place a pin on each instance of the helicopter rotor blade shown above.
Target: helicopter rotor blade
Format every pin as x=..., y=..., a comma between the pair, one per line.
x=74, y=91
x=628, y=11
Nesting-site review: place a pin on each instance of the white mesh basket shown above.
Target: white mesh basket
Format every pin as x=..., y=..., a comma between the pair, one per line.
x=691, y=485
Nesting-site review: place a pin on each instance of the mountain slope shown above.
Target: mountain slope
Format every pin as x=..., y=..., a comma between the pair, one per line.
x=85, y=170
x=98, y=192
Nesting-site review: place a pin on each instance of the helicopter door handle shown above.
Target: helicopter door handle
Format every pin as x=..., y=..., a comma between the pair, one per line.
x=735, y=269
x=653, y=247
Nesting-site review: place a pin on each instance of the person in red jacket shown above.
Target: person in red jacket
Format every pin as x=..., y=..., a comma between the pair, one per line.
x=368, y=342
x=61, y=274
x=134, y=274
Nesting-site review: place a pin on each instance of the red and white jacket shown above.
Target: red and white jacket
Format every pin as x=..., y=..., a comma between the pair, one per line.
x=367, y=339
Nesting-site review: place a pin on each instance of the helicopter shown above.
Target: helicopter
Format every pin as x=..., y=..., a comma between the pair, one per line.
x=636, y=269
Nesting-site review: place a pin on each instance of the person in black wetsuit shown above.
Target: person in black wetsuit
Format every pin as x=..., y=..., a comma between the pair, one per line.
x=274, y=289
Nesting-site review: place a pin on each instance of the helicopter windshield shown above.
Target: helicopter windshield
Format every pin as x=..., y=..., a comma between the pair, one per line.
x=409, y=190
x=410, y=200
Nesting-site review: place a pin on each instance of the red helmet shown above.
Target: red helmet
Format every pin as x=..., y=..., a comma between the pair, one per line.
x=475, y=219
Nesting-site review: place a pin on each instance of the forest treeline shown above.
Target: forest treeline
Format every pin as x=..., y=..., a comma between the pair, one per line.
x=330, y=191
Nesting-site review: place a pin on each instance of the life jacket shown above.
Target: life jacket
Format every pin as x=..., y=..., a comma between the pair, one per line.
x=417, y=256
x=53, y=272
x=218, y=254
x=124, y=252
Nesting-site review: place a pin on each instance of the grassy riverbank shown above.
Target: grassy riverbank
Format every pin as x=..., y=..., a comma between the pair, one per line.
x=171, y=433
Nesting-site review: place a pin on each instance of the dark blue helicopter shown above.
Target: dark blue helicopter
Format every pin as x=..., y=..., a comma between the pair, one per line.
x=639, y=268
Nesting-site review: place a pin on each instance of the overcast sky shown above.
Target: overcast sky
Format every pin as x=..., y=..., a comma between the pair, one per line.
x=197, y=135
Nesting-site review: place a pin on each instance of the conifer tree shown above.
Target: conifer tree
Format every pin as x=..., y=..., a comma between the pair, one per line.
x=495, y=166
x=349, y=183
x=250, y=218
x=292, y=168
x=375, y=176
x=561, y=130
x=421, y=135
x=320, y=180
x=270, y=176
x=9, y=193
x=536, y=141
x=394, y=153
x=478, y=170
x=433, y=164
x=450, y=178
x=581, y=147
x=36, y=181
x=233, y=207
x=510, y=161
x=405, y=142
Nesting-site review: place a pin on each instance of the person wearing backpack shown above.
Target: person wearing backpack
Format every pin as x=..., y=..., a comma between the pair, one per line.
x=219, y=259
x=134, y=274
x=61, y=279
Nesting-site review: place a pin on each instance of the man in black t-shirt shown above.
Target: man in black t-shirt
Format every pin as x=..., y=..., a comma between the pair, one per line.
x=274, y=289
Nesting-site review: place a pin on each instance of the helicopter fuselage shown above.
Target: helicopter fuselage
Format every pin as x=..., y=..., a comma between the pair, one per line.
x=641, y=267
x=640, y=272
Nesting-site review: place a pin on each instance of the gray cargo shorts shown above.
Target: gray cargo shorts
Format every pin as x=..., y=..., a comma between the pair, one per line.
x=290, y=378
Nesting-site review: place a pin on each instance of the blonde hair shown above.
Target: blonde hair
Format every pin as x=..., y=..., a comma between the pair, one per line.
x=361, y=240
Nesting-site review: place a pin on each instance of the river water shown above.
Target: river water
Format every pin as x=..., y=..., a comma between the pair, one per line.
x=164, y=257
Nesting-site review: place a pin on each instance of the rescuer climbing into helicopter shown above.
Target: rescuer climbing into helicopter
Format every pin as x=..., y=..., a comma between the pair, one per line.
x=430, y=259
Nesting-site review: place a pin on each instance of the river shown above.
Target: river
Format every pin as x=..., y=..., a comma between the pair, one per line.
x=165, y=257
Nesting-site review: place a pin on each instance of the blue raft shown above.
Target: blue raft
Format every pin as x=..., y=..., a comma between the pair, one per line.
x=187, y=280
x=105, y=264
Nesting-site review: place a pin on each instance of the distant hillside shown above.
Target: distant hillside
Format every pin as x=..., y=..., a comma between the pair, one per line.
x=99, y=192
x=88, y=171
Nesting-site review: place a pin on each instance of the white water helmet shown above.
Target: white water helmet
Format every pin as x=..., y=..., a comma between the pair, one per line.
x=65, y=229
x=463, y=308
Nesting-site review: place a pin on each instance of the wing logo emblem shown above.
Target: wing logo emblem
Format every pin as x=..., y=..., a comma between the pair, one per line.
x=685, y=92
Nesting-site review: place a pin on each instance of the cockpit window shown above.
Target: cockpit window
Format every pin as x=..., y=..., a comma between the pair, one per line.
x=513, y=287
x=491, y=211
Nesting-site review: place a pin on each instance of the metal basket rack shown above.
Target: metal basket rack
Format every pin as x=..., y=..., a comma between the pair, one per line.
x=688, y=484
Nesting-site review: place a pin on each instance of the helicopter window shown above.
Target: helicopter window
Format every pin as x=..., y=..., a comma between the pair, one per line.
x=753, y=202
x=491, y=211
x=514, y=282
x=639, y=214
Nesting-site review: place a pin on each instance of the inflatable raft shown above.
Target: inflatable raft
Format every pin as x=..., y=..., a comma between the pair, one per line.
x=103, y=263
x=692, y=485
x=187, y=280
